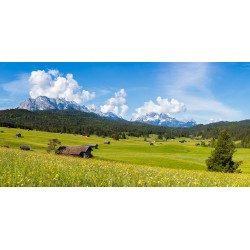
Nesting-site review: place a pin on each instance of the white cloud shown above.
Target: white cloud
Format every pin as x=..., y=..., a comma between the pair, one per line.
x=212, y=120
x=119, y=98
x=116, y=104
x=191, y=83
x=124, y=109
x=161, y=106
x=53, y=85
x=17, y=87
x=53, y=72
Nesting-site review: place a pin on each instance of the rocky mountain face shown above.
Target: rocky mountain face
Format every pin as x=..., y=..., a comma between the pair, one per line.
x=108, y=115
x=164, y=120
x=45, y=103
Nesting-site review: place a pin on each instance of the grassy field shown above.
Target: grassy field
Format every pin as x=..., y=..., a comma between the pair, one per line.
x=31, y=169
x=130, y=162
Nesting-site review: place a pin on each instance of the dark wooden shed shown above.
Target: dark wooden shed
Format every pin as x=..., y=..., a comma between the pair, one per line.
x=80, y=151
x=182, y=141
x=85, y=135
x=25, y=147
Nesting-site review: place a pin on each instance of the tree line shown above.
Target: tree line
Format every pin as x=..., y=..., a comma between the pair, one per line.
x=77, y=122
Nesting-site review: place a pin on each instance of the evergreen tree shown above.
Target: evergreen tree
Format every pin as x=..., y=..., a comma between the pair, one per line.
x=245, y=142
x=221, y=157
x=116, y=136
x=160, y=137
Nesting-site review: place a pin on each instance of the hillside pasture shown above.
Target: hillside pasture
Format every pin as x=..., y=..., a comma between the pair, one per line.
x=165, y=154
x=31, y=169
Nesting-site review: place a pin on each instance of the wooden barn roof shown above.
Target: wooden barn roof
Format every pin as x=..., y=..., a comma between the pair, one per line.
x=75, y=150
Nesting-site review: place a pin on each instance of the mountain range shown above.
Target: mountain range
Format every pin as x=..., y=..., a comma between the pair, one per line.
x=164, y=120
x=45, y=103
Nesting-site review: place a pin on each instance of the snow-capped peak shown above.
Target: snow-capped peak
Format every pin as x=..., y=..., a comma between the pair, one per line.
x=163, y=119
x=46, y=103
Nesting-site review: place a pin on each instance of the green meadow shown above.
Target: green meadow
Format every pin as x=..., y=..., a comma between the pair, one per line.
x=127, y=162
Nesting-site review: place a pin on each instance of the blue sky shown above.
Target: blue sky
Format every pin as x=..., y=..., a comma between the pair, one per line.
x=204, y=92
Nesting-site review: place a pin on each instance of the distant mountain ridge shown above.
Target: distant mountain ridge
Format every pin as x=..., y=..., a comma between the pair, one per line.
x=164, y=120
x=46, y=103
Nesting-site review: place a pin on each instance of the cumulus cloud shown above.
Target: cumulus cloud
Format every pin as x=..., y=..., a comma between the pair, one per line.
x=124, y=109
x=161, y=106
x=52, y=84
x=116, y=104
x=53, y=72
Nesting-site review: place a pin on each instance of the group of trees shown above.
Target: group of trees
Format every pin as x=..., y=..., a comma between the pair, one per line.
x=239, y=131
x=76, y=122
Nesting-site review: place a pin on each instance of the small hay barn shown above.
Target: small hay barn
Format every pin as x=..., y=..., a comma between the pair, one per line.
x=80, y=151
x=182, y=141
x=85, y=135
x=25, y=147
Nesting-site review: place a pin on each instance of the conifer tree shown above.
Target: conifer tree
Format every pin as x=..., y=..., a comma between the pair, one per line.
x=123, y=136
x=221, y=159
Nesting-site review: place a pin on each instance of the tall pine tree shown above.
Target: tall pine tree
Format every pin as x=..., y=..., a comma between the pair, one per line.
x=221, y=159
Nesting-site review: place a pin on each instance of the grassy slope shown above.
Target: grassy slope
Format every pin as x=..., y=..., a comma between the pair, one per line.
x=133, y=150
x=130, y=162
x=22, y=168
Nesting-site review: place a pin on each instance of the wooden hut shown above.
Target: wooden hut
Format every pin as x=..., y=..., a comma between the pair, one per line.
x=25, y=147
x=80, y=151
x=91, y=145
x=85, y=135
x=182, y=141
